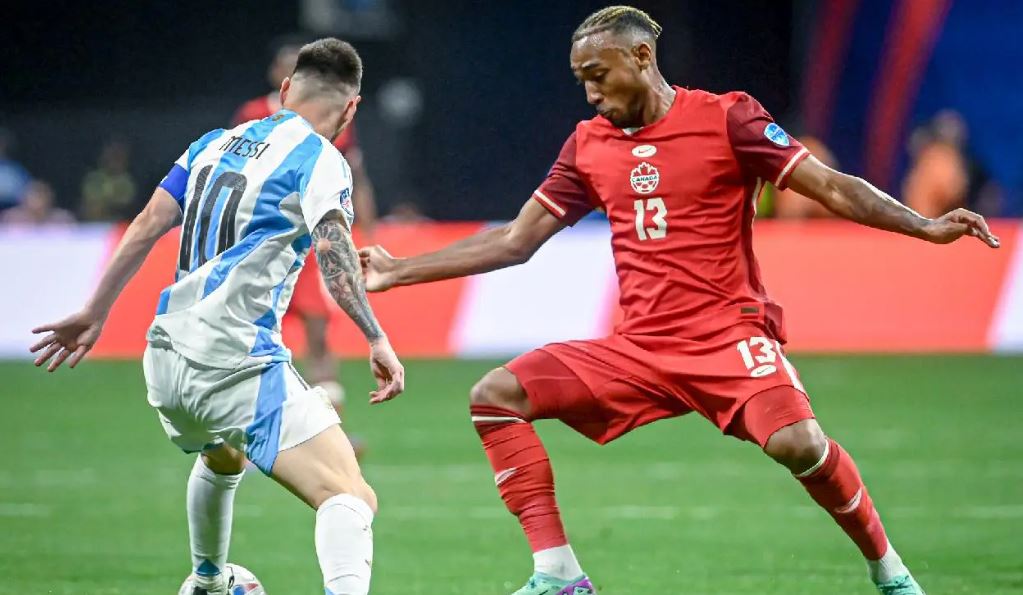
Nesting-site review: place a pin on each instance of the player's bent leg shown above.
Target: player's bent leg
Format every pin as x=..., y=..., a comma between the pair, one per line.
x=210, y=505
x=500, y=410
x=781, y=422
x=324, y=474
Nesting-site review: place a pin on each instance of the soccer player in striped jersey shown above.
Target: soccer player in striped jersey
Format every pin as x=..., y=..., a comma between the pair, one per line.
x=254, y=200
x=309, y=302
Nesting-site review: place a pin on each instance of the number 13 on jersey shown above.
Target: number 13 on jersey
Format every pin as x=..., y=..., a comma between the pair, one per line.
x=651, y=210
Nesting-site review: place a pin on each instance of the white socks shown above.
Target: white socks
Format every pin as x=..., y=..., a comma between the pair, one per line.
x=210, y=504
x=344, y=544
x=558, y=562
x=889, y=567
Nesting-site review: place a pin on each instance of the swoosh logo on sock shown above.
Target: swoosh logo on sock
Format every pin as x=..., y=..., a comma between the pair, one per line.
x=503, y=476
x=852, y=504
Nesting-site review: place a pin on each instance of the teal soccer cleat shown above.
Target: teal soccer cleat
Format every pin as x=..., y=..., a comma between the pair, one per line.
x=903, y=585
x=542, y=584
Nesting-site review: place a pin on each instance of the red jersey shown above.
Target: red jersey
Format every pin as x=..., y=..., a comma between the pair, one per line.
x=680, y=195
x=266, y=105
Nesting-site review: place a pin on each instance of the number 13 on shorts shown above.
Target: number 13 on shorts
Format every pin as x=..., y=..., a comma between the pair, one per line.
x=762, y=356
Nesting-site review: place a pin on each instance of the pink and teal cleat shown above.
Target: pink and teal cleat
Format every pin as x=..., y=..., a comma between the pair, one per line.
x=542, y=584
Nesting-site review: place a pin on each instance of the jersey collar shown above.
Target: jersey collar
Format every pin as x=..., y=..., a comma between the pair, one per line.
x=634, y=132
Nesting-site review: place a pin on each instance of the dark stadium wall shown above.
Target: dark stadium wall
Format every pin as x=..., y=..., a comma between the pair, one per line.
x=498, y=96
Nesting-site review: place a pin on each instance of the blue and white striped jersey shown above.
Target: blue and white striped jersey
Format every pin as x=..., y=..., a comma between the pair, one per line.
x=250, y=198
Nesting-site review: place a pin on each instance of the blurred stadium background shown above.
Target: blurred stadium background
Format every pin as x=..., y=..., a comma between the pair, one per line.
x=911, y=352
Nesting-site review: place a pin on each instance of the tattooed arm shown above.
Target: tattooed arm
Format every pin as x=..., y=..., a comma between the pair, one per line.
x=339, y=265
x=342, y=273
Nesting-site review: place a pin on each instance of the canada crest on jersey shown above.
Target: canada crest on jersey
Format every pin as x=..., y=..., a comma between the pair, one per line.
x=644, y=178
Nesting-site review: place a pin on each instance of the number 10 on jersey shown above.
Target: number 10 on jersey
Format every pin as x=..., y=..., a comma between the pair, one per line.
x=651, y=210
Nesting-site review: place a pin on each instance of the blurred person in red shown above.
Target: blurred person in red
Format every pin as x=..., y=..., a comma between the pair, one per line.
x=310, y=301
x=678, y=172
x=37, y=208
x=406, y=211
x=789, y=204
x=108, y=192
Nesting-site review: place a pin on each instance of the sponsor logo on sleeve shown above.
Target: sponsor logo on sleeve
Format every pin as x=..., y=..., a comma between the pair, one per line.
x=776, y=135
x=644, y=178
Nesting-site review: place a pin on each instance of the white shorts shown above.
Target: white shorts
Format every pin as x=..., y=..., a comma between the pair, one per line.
x=260, y=409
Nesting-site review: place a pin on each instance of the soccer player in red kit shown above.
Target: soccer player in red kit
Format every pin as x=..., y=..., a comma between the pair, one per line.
x=678, y=173
x=310, y=301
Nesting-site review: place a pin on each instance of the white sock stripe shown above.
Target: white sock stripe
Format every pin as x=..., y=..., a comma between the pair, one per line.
x=818, y=464
x=493, y=419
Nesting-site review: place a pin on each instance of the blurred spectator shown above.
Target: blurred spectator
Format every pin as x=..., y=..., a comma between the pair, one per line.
x=281, y=66
x=789, y=204
x=14, y=179
x=406, y=212
x=36, y=208
x=108, y=191
x=938, y=179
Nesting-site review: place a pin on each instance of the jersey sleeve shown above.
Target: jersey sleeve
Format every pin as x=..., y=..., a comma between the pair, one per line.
x=327, y=187
x=176, y=180
x=563, y=192
x=760, y=145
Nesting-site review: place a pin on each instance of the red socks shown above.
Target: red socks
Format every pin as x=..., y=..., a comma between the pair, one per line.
x=522, y=472
x=837, y=487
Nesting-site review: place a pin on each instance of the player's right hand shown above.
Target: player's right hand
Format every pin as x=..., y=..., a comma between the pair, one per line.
x=379, y=268
x=388, y=371
x=71, y=338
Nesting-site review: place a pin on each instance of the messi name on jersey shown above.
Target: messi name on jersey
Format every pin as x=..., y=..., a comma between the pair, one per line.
x=244, y=147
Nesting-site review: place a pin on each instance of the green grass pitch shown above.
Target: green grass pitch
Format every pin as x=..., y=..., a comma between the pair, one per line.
x=92, y=494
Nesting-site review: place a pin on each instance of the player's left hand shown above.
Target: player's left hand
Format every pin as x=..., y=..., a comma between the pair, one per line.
x=956, y=224
x=70, y=339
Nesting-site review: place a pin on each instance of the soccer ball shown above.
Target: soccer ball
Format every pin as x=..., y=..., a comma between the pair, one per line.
x=242, y=582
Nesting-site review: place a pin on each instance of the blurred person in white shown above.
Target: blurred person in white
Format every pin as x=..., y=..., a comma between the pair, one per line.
x=14, y=179
x=309, y=302
x=108, y=191
x=37, y=208
x=254, y=199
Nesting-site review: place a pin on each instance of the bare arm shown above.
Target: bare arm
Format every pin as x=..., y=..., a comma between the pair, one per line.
x=74, y=336
x=855, y=199
x=496, y=248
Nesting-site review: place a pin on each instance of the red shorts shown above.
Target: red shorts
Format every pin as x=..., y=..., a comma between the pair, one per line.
x=310, y=297
x=740, y=380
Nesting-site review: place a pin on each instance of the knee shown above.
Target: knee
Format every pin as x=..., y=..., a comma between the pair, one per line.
x=499, y=388
x=798, y=446
x=360, y=489
x=368, y=495
x=224, y=460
